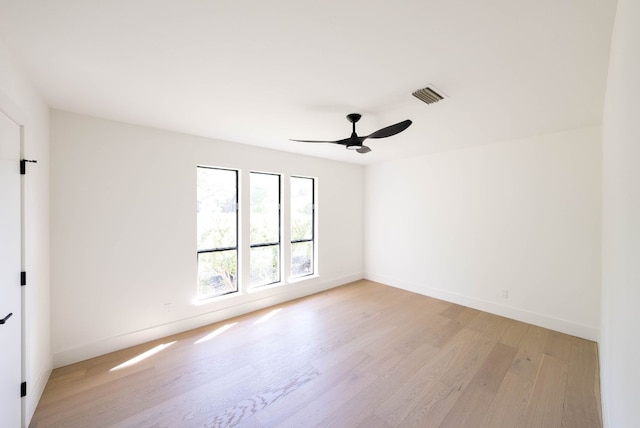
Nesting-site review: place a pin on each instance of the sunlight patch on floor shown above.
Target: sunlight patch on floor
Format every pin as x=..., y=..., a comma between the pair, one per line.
x=143, y=356
x=215, y=333
x=267, y=316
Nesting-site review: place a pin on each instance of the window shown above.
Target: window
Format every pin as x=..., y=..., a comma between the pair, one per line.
x=217, y=226
x=264, y=257
x=302, y=226
x=239, y=249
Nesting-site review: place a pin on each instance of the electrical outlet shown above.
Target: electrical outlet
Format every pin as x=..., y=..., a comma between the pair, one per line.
x=505, y=294
x=168, y=307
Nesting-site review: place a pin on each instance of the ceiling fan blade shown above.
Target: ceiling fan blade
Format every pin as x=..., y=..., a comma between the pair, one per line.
x=315, y=141
x=363, y=150
x=391, y=130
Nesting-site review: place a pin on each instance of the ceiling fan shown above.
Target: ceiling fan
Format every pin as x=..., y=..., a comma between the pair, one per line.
x=354, y=142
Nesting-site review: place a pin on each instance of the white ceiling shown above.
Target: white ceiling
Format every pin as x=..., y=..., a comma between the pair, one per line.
x=262, y=72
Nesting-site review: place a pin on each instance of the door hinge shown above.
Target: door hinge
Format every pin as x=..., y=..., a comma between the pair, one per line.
x=23, y=165
x=23, y=389
x=23, y=279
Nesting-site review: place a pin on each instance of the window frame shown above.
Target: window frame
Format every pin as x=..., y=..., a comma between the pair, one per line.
x=242, y=285
x=268, y=244
x=222, y=249
x=313, y=230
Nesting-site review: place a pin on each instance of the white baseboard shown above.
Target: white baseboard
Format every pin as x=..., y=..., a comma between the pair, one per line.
x=604, y=387
x=249, y=303
x=519, y=314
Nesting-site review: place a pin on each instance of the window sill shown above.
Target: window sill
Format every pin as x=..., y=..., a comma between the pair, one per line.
x=303, y=278
x=260, y=288
x=255, y=290
x=208, y=300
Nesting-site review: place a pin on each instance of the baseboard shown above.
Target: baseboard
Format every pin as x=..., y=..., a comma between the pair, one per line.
x=604, y=387
x=519, y=314
x=35, y=390
x=250, y=303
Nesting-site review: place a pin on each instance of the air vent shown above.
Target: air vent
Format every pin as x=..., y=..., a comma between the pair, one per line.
x=428, y=95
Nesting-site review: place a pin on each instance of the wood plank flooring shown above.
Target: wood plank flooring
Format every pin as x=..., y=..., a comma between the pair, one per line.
x=360, y=355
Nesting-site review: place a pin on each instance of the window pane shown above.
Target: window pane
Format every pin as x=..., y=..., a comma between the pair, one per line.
x=217, y=218
x=265, y=208
x=301, y=258
x=265, y=265
x=217, y=273
x=301, y=208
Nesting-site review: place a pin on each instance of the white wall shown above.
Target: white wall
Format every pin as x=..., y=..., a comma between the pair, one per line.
x=521, y=216
x=620, y=344
x=124, y=233
x=19, y=99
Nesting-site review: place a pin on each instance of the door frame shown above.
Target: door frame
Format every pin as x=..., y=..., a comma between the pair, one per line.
x=11, y=110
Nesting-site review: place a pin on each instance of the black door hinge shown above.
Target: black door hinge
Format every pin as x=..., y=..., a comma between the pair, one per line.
x=23, y=165
x=23, y=389
x=23, y=278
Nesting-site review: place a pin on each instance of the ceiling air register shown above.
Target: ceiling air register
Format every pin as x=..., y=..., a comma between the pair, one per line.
x=428, y=95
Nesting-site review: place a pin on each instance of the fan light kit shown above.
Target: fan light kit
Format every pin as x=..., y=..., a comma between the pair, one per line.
x=354, y=142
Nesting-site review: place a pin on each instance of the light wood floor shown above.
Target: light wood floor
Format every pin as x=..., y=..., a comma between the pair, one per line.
x=361, y=355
